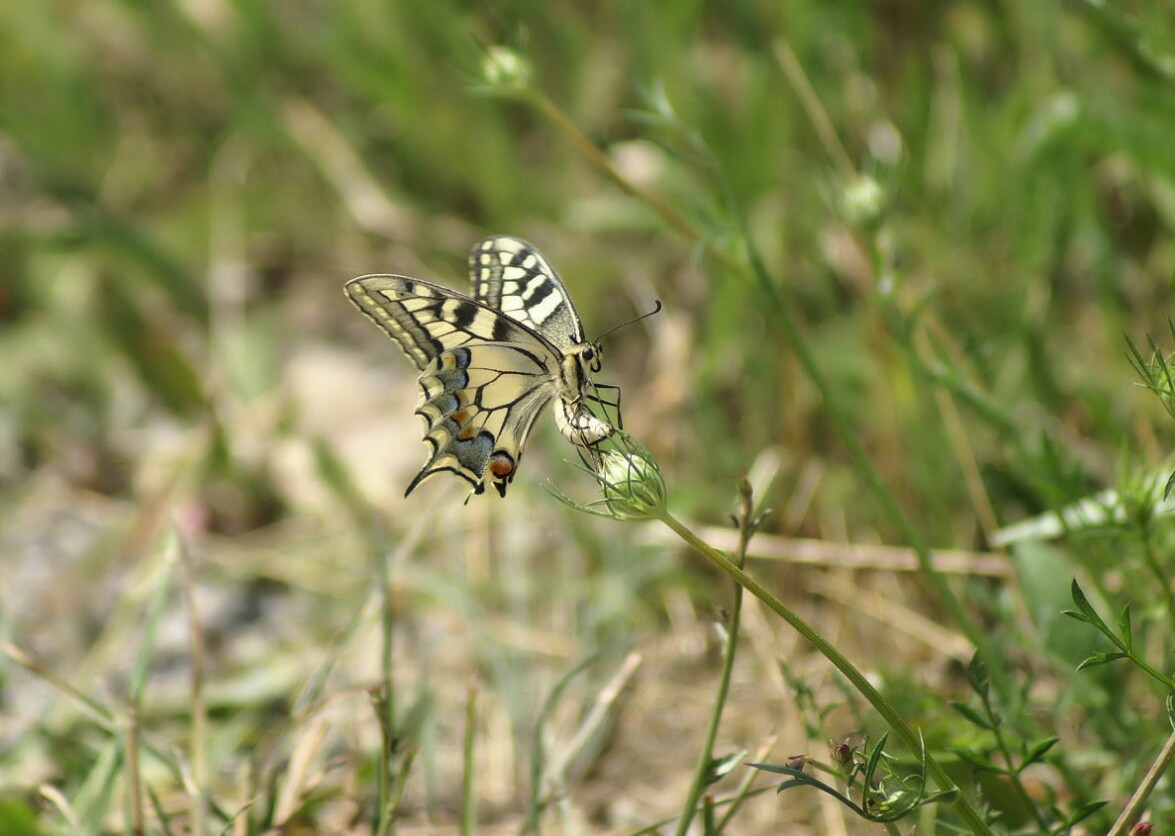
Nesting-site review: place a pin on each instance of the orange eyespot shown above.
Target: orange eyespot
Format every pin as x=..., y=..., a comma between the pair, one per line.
x=467, y=432
x=502, y=465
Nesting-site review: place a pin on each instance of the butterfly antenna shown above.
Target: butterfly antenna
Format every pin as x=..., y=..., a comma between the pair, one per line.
x=633, y=321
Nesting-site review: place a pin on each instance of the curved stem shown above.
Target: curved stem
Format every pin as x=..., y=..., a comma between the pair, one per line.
x=1137, y=801
x=706, y=756
x=882, y=706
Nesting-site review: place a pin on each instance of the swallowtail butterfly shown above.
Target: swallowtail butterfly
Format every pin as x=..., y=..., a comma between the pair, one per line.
x=489, y=363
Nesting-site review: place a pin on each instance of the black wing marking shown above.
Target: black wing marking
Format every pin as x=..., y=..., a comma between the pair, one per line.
x=511, y=276
x=484, y=377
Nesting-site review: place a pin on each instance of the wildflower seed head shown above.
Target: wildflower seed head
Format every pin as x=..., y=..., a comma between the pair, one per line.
x=505, y=68
x=862, y=201
x=634, y=488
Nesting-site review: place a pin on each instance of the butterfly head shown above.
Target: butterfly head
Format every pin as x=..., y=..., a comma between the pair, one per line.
x=589, y=355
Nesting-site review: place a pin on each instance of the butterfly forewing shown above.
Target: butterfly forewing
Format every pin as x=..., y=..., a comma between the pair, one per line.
x=425, y=319
x=484, y=375
x=511, y=276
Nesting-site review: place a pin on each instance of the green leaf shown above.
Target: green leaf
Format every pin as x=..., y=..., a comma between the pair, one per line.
x=980, y=762
x=1083, y=812
x=97, y=794
x=874, y=760
x=1102, y=659
x=977, y=677
x=803, y=779
x=972, y=716
x=1140, y=366
x=1037, y=751
x=1124, y=629
x=1088, y=613
x=721, y=767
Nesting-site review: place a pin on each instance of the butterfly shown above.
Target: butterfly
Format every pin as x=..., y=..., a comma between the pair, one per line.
x=491, y=362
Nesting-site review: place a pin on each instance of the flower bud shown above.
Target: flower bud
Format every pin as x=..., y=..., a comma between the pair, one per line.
x=862, y=201
x=634, y=488
x=504, y=67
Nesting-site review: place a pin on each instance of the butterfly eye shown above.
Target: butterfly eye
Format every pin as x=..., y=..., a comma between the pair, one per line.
x=590, y=354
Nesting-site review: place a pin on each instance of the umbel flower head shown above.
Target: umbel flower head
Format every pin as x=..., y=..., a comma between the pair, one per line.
x=506, y=69
x=631, y=481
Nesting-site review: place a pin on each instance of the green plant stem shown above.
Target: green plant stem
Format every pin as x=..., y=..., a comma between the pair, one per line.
x=598, y=158
x=133, y=773
x=468, y=798
x=815, y=111
x=388, y=776
x=1014, y=775
x=198, y=738
x=744, y=790
x=1162, y=577
x=103, y=719
x=779, y=306
x=1137, y=801
x=867, y=470
x=706, y=756
x=538, y=753
x=1151, y=671
x=1126, y=645
x=835, y=149
x=895, y=721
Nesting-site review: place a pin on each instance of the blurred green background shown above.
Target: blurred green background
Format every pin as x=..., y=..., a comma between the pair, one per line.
x=966, y=205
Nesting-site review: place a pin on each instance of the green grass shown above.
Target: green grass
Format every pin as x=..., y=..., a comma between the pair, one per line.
x=905, y=253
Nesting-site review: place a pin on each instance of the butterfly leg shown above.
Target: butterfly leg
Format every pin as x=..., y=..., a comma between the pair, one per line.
x=606, y=404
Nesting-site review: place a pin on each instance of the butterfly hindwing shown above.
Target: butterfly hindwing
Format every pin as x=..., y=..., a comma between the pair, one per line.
x=484, y=378
x=480, y=405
